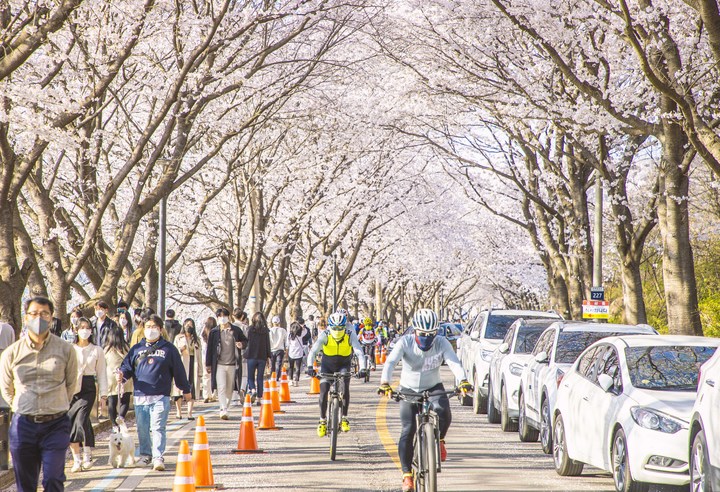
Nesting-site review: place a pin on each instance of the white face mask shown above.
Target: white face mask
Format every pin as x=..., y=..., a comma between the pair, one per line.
x=84, y=333
x=152, y=334
x=223, y=320
x=123, y=321
x=99, y=313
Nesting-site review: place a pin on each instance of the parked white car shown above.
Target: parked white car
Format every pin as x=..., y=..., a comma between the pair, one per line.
x=704, y=442
x=507, y=365
x=479, y=342
x=625, y=407
x=555, y=351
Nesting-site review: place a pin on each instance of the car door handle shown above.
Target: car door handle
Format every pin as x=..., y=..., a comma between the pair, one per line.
x=532, y=370
x=585, y=398
x=566, y=385
x=710, y=383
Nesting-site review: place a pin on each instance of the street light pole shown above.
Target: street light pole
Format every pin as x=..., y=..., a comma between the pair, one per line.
x=163, y=254
x=334, y=283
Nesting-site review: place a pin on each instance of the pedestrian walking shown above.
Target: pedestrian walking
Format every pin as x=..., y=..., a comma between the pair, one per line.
x=124, y=323
x=278, y=346
x=209, y=324
x=7, y=338
x=91, y=369
x=240, y=318
x=296, y=352
x=70, y=334
x=118, y=402
x=188, y=345
x=312, y=326
x=172, y=326
x=257, y=354
x=102, y=323
x=39, y=432
x=223, y=360
x=153, y=364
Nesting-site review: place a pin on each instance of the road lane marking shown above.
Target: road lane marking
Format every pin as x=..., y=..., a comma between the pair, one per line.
x=382, y=429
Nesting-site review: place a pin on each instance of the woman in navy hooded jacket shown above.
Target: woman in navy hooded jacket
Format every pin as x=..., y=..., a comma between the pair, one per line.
x=153, y=364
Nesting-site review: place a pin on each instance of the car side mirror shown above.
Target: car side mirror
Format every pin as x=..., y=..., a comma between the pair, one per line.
x=475, y=336
x=541, y=357
x=605, y=382
x=504, y=348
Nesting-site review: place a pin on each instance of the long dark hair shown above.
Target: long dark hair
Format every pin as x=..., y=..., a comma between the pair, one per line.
x=189, y=327
x=210, y=323
x=259, y=324
x=295, y=330
x=116, y=340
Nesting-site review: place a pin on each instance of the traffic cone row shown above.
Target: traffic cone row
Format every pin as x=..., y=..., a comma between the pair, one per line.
x=285, y=388
x=383, y=355
x=274, y=393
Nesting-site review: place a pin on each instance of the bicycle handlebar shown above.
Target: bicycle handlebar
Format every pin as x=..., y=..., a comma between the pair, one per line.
x=420, y=397
x=334, y=375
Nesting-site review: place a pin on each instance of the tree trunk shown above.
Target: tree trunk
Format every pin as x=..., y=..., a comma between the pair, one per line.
x=13, y=277
x=678, y=267
x=151, y=287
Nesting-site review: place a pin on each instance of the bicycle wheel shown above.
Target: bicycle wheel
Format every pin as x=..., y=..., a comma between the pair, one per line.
x=419, y=471
x=334, y=425
x=429, y=456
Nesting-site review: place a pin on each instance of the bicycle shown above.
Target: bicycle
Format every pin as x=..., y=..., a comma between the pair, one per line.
x=368, y=351
x=335, y=402
x=426, y=456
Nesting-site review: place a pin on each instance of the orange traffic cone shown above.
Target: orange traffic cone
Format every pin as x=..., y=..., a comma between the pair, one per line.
x=275, y=394
x=377, y=357
x=314, y=382
x=247, y=441
x=383, y=356
x=267, y=420
x=284, y=388
x=184, y=479
x=202, y=465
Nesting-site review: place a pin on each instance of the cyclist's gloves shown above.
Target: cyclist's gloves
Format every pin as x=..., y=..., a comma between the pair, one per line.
x=464, y=387
x=311, y=372
x=384, y=389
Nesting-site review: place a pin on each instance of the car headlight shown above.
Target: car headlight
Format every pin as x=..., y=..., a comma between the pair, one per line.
x=486, y=355
x=654, y=420
x=516, y=369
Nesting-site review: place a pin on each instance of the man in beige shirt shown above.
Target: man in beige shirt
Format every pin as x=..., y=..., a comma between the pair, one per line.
x=38, y=377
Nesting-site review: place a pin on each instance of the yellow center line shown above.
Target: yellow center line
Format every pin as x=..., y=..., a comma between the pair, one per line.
x=382, y=429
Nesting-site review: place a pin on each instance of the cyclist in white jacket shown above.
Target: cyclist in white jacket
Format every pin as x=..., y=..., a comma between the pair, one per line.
x=422, y=354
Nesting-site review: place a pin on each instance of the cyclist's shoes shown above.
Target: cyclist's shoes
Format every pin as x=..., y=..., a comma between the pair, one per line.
x=344, y=425
x=443, y=451
x=322, y=428
x=407, y=484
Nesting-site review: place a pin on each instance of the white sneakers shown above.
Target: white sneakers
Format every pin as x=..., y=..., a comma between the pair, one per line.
x=223, y=414
x=159, y=464
x=77, y=466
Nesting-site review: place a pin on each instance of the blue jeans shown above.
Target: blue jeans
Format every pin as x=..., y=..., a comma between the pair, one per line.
x=151, y=419
x=256, y=375
x=34, y=445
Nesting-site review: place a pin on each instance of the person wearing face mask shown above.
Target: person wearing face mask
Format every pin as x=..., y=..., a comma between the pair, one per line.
x=118, y=402
x=91, y=363
x=188, y=344
x=70, y=334
x=337, y=345
x=124, y=323
x=39, y=433
x=223, y=360
x=153, y=364
x=102, y=323
x=422, y=354
x=139, y=332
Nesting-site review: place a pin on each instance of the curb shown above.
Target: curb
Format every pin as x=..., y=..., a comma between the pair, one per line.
x=7, y=477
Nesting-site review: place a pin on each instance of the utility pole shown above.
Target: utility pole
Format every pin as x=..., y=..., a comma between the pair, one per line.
x=597, y=240
x=162, y=272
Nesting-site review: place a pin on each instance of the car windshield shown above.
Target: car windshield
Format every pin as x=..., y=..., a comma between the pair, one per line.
x=572, y=343
x=498, y=325
x=673, y=368
x=450, y=330
x=527, y=338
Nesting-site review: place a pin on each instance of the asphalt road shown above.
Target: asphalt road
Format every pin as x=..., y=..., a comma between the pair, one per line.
x=481, y=457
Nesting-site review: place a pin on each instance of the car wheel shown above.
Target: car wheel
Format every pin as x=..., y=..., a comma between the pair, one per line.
x=700, y=480
x=546, y=436
x=624, y=481
x=526, y=433
x=564, y=466
x=493, y=416
x=506, y=423
x=479, y=403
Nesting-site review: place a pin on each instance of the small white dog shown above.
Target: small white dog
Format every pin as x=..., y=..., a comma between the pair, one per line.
x=122, y=447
